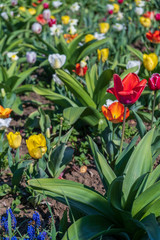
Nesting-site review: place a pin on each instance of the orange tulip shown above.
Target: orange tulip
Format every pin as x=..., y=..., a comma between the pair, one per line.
x=115, y=112
x=153, y=37
x=4, y=112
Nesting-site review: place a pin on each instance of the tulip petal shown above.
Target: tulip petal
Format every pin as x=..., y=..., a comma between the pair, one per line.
x=106, y=113
x=130, y=81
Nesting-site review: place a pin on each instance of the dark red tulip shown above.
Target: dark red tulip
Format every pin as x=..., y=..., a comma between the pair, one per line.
x=120, y=1
x=45, y=5
x=129, y=89
x=154, y=82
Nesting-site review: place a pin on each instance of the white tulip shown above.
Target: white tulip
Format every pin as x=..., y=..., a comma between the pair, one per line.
x=75, y=7
x=37, y=28
x=56, y=60
x=73, y=22
x=72, y=29
x=4, y=123
x=4, y=15
x=118, y=27
x=99, y=36
x=132, y=64
x=13, y=56
x=56, y=30
x=31, y=57
x=56, y=4
x=110, y=7
x=139, y=10
x=46, y=14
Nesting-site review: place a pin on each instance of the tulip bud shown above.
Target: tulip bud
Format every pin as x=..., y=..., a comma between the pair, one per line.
x=157, y=17
x=3, y=93
x=31, y=57
x=150, y=61
x=47, y=14
x=14, y=2
x=37, y=28
x=56, y=60
x=51, y=22
x=14, y=139
x=48, y=134
x=45, y=5
x=154, y=82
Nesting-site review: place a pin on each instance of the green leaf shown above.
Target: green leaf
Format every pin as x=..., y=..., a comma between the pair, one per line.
x=135, y=52
x=114, y=198
x=24, y=88
x=151, y=227
x=17, y=106
x=91, y=202
x=76, y=88
x=91, y=79
x=101, y=85
x=57, y=98
x=73, y=45
x=92, y=47
x=140, y=125
x=106, y=173
x=139, y=163
x=87, y=228
x=145, y=200
x=11, y=70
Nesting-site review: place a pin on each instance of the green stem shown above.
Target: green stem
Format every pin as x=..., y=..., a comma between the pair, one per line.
x=123, y=128
x=153, y=108
x=60, y=130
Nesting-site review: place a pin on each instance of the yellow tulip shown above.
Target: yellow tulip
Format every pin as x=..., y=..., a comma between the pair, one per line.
x=103, y=54
x=65, y=19
x=89, y=37
x=137, y=2
x=36, y=145
x=146, y=22
x=150, y=61
x=32, y=11
x=104, y=27
x=22, y=9
x=14, y=139
x=116, y=8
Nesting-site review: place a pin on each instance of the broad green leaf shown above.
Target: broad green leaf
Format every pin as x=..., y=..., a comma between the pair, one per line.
x=76, y=88
x=11, y=70
x=91, y=78
x=87, y=228
x=106, y=173
x=136, y=52
x=115, y=193
x=153, y=177
x=57, y=98
x=139, y=163
x=152, y=227
x=101, y=85
x=145, y=200
x=92, y=47
x=13, y=45
x=78, y=195
x=140, y=125
x=24, y=88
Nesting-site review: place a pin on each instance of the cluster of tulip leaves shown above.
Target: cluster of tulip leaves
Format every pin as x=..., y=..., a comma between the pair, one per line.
x=130, y=205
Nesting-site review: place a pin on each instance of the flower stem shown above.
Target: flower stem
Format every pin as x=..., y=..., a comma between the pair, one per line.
x=60, y=130
x=153, y=108
x=123, y=128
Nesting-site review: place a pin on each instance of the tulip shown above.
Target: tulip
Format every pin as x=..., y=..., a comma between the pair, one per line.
x=51, y=22
x=110, y=7
x=4, y=15
x=157, y=17
x=56, y=60
x=110, y=12
x=4, y=123
x=146, y=22
x=14, y=2
x=80, y=69
x=5, y=112
x=154, y=82
x=22, y=9
x=89, y=37
x=56, y=4
x=65, y=19
x=139, y=10
x=31, y=57
x=45, y=5
x=46, y=14
x=114, y=111
x=120, y=1
x=116, y=8
x=75, y=7
x=132, y=64
x=13, y=56
x=149, y=15
x=153, y=37
x=129, y=89
x=41, y=19
x=36, y=145
x=37, y=28
x=103, y=54
x=56, y=30
x=104, y=27
x=14, y=139
x=32, y=11
x=150, y=61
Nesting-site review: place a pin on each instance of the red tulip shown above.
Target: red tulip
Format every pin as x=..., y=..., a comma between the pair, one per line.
x=129, y=89
x=120, y=1
x=154, y=82
x=45, y=5
x=80, y=71
x=157, y=17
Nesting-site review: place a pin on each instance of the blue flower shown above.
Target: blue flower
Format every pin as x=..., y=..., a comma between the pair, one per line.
x=4, y=223
x=31, y=232
x=36, y=218
x=42, y=236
